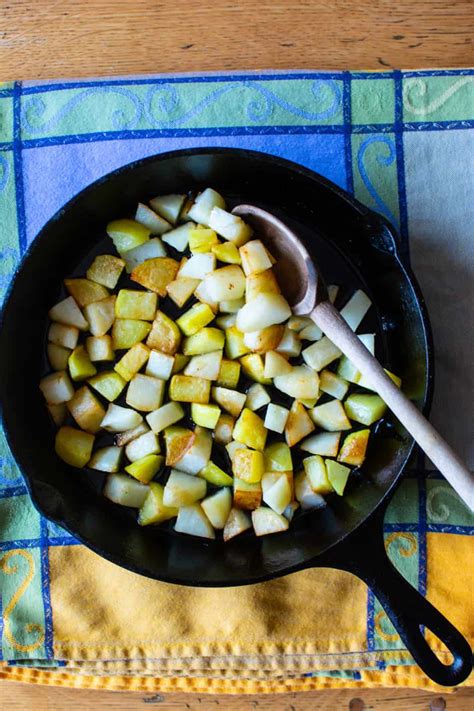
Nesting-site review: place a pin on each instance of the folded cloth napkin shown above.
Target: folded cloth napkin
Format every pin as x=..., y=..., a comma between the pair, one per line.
x=403, y=143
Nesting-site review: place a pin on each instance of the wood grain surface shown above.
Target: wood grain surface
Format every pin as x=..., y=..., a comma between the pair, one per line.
x=42, y=39
x=45, y=39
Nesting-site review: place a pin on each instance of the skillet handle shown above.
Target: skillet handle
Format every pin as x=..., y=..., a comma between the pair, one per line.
x=408, y=610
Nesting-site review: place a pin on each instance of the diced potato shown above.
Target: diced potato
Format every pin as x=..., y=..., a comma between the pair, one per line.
x=187, y=205
x=151, y=220
x=145, y=393
x=226, y=321
x=266, y=521
x=354, y=448
x=168, y=206
x=330, y=416
x=302, y=382
x=290, y=344
x=231, y=306
x=227, y=252
x=202, y=240
x=106, y=459
x=123, y=438
x=231, y=400
x=109, y=384
x=100, y=348
x=254, y=257
x=226, y=283
x=215, y=475
x=59, y=356
x=65, y=336
x=132, y=361
x=252, y=365
x=164, y=335
x=198, y=266
x=180, y=290
x=307, y=498
x=146, y=468
x=311, y=333
x=276, y=418
x=271, y=478
x=364, y=381
x=195, y=318
x=333, y=291
x=275, y=365
x=120, y=418
x=316, y=473
x=333, y=384
x=85, y=292
x=278, y=458
x=126, y=332
x=365, y=409
x=141, y=446
x=205, y=201
x=233, y=447
x=257, y=397
x=298, y=424
x=86, y=409
x=180, y=362
x=127, y=234
x=205, y=415
x=321, y=353
x=268, y=339
x=106, y=270
x=57, y=388
x=223, y=429
x=309, y=402
x=262, y=283
x=202, y=294
x=250, y=430
x=229, y=226
x=347, y=370
x=68, y=313
x=179, y=237
x=237, y=522
x=123, y=490
x=178, y=440
x=247, y=465
x=198, y=455
x=247, y=496
x=263, y=311
x=206, y=365
x=134, y=304
x=79, y=364
x=74, y=446
x=58, y=413
x=182, y=489
x=186, y=388
x=156, y=274
x=153, y=509
x=229, y=374
x=297, y=323
x=234, y=343
x=217, y=507
x=290, y=510
x=160, y=365
x=355, y=309
x=165, y=416
x=193, y=521
x=152, y=249
x=324, y=443
x=279, y=495
x=101, y=315
x=337, y=475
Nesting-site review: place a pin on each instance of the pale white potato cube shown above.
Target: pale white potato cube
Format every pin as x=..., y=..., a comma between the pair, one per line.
x=333, y=291
x=179, y=237
x=305, y=494
x=231, y=306
x=193, y=521
x=237, y=522
x=257, y=397
x=324, y=443
x=198, y=266
x=226, y=283
x=321, y=353
x=290, y=344
x=100, y=348
x=311, y=333
x=263, y=311
x=276, y=417
x=266, y=521
x=58, y=356
x=57, y=388
x=226, y=321
x=276, y=364
x=106, y=459
x=151, y=220
x=302, y=383
x=182, y=489
x=126, y=491
x=168, y=206
x=101, y=315
x=151, y=249
x=202, y=294
x=230, y=400
x=206, y=365
x=65, y=336
x=254, y=257
x=142, y=446
x=278, y=496
x=331, y=416
x=198, y=455
x=290, y=510
x=217, y=507
x=118, y=419
x=204, y=203
x=165, y=416
x=159, y=365
x=145, y=393
x=229, y=226
x=68, y=313
x=223, y=429
x=355, y=309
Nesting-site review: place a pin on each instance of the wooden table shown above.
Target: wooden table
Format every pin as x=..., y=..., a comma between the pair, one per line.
x=47, y=39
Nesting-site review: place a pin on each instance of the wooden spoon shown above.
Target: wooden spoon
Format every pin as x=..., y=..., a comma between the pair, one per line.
x=306, y=293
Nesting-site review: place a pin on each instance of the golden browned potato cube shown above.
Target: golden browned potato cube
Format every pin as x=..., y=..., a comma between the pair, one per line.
x=85, y=291
x=247, y=496
x=298, y=424
x=106, y=270
x=74, y=446
x=180, y=290
x=86, y=410
x=250, y=430
x=132, y=361
x=136, y=304
x=178, y=441
x=156, y=274
x=128, y=331
x=354, y=448
x=263, y=283
x=248, y=465
x=186, y=388
x=165, y=335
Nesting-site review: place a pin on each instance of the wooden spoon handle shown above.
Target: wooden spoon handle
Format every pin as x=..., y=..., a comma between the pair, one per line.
x=329, y=320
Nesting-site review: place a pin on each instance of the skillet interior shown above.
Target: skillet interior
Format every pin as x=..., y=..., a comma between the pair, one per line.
x=352, y=246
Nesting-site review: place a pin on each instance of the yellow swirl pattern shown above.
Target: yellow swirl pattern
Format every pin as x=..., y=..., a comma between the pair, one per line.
x=9, y=568
x=379, y=618
x=407, y=543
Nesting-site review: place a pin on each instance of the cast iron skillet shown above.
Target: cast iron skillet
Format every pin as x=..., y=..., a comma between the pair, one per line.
x=355, y=247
